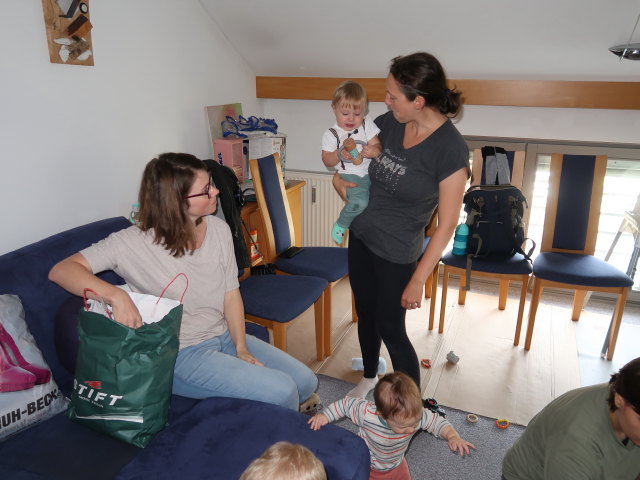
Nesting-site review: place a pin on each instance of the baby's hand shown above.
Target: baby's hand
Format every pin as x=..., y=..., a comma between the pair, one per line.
x=371, y=151
x=317, y=421
x=459, y=445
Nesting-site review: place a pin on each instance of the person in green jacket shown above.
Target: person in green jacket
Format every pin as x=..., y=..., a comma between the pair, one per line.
x=587, y=433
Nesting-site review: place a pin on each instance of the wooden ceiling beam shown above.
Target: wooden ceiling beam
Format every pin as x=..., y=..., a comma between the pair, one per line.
x=511, y=93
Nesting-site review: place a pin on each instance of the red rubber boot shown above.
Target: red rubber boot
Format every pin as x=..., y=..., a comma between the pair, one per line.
x=42, y=374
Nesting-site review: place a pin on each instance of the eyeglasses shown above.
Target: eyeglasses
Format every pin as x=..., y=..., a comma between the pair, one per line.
x=207, y=191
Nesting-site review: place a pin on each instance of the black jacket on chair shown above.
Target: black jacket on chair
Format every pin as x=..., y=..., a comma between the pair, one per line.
x=231, y=201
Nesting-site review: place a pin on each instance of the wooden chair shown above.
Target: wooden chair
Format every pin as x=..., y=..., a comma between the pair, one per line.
x=273, y=301
x=431, y=284
x=328, y=263
x=516, y=268
x=569, y=238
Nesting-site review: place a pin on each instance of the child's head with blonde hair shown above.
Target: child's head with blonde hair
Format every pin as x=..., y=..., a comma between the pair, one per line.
x=398, y=401
x=285, y=461
x=350, y=94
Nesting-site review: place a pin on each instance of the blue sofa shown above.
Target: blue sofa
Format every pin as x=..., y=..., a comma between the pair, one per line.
x=215, y=438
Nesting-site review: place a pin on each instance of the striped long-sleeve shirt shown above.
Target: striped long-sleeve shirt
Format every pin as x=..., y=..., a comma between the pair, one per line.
x=387, y=448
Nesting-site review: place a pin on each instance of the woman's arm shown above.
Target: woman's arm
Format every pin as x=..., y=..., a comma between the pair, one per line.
x=450, y=191
x=234, y=314
x=341, y=185
x=74, y=274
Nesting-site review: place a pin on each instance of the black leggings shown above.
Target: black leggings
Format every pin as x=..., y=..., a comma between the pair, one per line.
x=377, y=287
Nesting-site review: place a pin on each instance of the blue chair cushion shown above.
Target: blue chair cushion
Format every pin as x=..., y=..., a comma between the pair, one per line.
x=578, y=269
x=516, y=265
x=280, y=298
x=329, y=263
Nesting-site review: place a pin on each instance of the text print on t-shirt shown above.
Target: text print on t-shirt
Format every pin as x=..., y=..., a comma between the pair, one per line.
x=388, y=169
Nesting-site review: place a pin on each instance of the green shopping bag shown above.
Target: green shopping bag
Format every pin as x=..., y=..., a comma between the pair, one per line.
x=124, y=376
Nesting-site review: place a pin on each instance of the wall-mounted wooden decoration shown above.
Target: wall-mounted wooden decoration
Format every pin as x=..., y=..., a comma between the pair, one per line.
x=68, y=31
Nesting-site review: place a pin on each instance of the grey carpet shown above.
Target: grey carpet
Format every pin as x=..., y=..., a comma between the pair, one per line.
x=429, y=458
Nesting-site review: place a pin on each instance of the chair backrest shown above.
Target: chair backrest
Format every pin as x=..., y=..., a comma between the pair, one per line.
x=273, y=203
x=572, y=213
x=516, y=167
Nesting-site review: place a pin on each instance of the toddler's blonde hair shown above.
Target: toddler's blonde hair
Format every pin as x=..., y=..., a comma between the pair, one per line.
x=285, y=461
x=350, y=94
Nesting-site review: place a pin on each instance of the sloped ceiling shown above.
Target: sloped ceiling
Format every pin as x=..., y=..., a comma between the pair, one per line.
x=491, y=39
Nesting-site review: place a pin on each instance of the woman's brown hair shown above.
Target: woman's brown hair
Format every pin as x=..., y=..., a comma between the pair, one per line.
x=421, y=74
x=165, y=182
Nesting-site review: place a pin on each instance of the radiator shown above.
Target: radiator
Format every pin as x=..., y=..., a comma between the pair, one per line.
x=321, y=206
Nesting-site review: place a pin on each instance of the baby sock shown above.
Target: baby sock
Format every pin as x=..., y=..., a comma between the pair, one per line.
x=337, y=233
x=364, y=386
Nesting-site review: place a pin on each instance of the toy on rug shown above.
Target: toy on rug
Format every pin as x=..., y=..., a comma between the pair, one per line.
x=452, y=357
x=502, y=423
x=356, y=364
x=433, y=405
x=472, y=418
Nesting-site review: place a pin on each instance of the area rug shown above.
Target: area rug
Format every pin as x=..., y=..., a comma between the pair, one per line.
x=429, y=458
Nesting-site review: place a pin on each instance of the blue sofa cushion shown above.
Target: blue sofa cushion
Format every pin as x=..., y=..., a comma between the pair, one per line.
x=61, y=449
x=199, y=445
x=24, y=272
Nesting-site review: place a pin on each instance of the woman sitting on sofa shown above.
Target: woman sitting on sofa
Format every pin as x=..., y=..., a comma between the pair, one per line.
x=177, y=234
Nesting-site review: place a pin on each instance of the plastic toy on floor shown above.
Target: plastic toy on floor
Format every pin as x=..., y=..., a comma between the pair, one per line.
x=433, y=405
x=452, y=357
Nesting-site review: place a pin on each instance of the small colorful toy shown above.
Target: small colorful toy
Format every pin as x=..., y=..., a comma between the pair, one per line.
x=433, y=405
x=425, y=362
x=349, y=144
x=502, y=423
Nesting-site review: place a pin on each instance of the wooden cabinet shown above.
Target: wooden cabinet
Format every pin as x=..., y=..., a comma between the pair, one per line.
x=251, y=215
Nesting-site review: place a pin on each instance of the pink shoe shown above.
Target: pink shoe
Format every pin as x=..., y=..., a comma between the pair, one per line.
x=42, y=374
x=13, y=378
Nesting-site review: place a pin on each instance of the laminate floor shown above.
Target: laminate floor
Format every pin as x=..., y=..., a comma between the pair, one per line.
x=493, y=377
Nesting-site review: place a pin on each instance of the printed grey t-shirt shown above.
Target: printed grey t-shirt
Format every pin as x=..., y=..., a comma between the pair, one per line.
x=404, y=188
x=148, y=268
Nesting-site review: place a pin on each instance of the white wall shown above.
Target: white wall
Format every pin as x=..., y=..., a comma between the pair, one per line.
x=304, y=121
x=74, y=139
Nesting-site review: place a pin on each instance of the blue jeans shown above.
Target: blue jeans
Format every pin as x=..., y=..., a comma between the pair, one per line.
x=211, y=369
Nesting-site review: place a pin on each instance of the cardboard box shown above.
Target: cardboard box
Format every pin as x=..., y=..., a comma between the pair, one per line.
x=262, y=146
x=228, y=152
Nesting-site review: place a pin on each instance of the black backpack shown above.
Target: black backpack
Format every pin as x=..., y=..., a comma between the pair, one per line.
x=494, y=218
x=231, y=201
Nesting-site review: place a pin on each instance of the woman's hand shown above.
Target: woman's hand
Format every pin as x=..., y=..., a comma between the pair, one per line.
x=412, y=295
x=341, y=185
x=247, y=357
x=124, y=310
x=317, y=421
